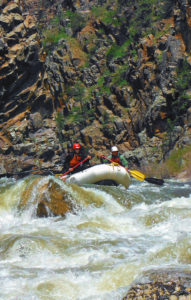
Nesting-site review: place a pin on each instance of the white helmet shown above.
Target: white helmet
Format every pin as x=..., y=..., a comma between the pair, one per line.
x=114, y=149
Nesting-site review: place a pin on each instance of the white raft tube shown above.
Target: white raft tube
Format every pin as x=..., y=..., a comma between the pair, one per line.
x=98, y=173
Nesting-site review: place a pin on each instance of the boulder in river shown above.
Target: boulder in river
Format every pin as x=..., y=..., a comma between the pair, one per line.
x=172, y=284
x=47, y=195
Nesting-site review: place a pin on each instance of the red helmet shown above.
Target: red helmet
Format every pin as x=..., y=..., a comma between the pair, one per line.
x=76, y=146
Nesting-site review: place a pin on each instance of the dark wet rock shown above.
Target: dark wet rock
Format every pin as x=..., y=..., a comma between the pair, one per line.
x=172, y=284
x=50, y=198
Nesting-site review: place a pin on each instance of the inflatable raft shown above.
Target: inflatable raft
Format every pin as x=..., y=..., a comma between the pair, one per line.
x=98, y=173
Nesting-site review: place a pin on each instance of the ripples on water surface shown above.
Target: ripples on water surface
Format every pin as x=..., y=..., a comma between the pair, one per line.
x=96, y=252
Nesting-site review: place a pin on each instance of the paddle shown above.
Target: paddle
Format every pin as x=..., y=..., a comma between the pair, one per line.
x=140, y=176
x=70, y=170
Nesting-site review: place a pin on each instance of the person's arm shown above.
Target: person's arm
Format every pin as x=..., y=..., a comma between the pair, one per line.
x=105, y=161
x=87, y=162
x=123, y=161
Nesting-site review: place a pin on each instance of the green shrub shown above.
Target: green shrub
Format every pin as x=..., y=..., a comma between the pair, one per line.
x=76, y=91
x=179, y=160
x=81, y=112
x=107, y=16
x=53, y=37
x=116, y=51
x=77, y=21
x=60, y=122
x=118, y=78
x=183, y=81
x=107, y=124
x=182, y=101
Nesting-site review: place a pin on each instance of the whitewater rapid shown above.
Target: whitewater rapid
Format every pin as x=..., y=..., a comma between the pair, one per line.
x=96, y=251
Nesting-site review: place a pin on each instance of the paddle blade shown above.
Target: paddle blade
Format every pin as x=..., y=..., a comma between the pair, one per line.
x=155, y=181
x=62, y=177
x=136, y=174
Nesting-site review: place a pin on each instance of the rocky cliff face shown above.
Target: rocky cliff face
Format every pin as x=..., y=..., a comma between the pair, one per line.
x=101, y=83
x=25, y=102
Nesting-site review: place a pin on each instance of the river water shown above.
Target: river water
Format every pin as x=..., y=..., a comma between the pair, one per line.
x=97, y=251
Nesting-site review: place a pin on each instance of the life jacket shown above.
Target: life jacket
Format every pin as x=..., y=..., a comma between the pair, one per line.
x=116, y=160
x=75, y=160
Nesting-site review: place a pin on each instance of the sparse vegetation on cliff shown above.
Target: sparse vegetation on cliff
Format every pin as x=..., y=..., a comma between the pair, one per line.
x=183, y=94
x=125, y=58
x=178, y=162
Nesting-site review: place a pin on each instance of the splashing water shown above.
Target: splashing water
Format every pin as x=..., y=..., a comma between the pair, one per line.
x=97, y=250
